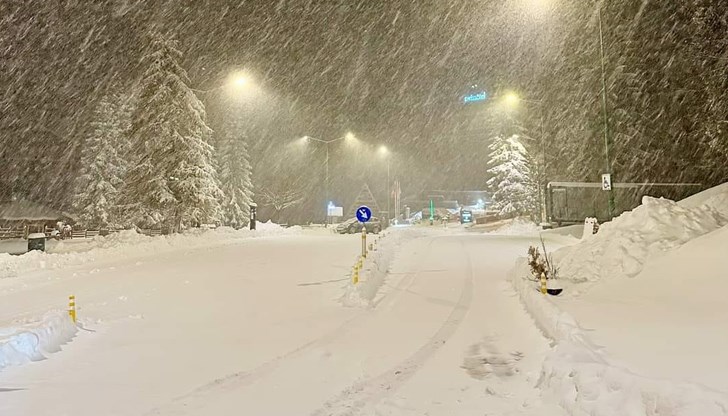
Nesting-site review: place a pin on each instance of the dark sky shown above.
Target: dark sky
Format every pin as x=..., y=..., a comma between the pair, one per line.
x=392, y=71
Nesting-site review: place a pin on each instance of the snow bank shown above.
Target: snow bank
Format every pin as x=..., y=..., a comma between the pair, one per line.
x=622, y=246
x=716, y=197
x=34, y=341
x=374, y=272
x=127, y=244
x=581, y=377
x=519, y=226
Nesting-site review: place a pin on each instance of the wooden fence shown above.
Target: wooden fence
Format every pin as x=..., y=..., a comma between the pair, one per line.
x=12, y=233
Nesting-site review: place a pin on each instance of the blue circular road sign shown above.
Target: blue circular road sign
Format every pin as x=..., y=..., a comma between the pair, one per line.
x=363, y=213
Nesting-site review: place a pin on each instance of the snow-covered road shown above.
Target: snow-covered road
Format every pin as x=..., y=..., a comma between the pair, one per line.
x=256, y=328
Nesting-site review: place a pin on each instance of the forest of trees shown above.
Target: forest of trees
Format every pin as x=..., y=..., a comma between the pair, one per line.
x=152, y=164
x=666, y=92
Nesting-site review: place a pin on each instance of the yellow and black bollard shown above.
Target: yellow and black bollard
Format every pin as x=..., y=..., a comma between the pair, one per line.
x=72, y=307
x=355, y=274
x=543, y=283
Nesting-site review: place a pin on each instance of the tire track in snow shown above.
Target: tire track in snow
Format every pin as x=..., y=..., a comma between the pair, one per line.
x=185, y=403
x=357, y=397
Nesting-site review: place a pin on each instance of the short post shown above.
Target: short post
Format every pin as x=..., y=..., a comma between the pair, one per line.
x=543, y=283
x=253, y=215
x=364, y=242
x=72, y=307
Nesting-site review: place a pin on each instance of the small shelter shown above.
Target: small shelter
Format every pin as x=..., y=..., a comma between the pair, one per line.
x=21, y=214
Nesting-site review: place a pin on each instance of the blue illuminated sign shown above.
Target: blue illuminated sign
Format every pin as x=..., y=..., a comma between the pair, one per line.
x=475, y=97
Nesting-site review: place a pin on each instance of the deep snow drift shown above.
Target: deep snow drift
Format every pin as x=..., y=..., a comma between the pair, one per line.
x=127, y=244
x=624, y=245
x=649, y=287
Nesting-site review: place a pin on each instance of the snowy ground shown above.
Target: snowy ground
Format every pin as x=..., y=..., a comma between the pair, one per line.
x=641, y=327
x=257, y=326
x=227, y=322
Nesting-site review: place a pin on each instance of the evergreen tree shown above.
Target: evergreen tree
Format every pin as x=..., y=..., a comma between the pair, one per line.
x=102, y=165
x=173, y=180
x=510, y=180
x=235, y=173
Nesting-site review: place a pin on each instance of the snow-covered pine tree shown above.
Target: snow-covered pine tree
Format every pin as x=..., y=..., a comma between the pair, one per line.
x=511, y=181
x=102, y=165
x=173, y=180
x=235, y=173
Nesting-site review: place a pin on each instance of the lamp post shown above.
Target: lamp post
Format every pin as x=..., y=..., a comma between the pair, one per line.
x=604, y=111
x=386, y=154
x=306, y=139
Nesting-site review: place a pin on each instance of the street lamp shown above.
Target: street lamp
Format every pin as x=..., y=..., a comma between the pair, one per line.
x=348, y=137
x=237, y=83
x=384, y=152
x=542, y=5
x=604, y=110
x=512, y=100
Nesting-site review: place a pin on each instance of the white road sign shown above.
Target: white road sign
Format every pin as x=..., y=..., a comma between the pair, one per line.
x=607, y=182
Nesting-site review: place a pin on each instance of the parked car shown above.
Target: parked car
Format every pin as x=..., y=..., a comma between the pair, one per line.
x=352, y=226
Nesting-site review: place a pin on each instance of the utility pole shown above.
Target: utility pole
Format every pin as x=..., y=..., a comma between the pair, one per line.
x=326, y=185
x=604, y=112
x=389, y=193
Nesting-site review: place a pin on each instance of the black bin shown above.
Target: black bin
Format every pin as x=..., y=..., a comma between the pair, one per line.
x=36, y=241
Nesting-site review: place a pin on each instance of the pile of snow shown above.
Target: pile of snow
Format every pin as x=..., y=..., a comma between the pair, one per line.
x=519, y=226
x=716, y=197
x=127, y=244
x=584, y=380
x=376, y=266
x=676, y=249
x=34, y=341
x=622, y=246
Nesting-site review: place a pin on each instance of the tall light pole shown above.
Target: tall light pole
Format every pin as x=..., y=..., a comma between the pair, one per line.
x=386, y=154
x=604, y=110
x=306, y=139
x=512, y=99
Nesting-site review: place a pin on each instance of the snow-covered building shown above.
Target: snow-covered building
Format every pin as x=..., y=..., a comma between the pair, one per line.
x=17, y=213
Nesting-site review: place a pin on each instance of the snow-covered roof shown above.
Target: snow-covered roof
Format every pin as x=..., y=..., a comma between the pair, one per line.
x=24, y=210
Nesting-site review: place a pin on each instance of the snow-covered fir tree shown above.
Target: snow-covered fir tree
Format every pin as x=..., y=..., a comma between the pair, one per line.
x=510, y=179
x=173, y=180
x=102, y=165
x=235, y=173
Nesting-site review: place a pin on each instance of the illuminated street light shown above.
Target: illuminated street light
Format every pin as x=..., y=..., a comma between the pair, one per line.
x=384, y=152
x=511, y=99
x=236, y=83
x=239, y=80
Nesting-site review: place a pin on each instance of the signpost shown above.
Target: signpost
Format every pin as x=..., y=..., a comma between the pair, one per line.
x=607, y=182
x=332, y=211
x=466, y=216
x=363, y=214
